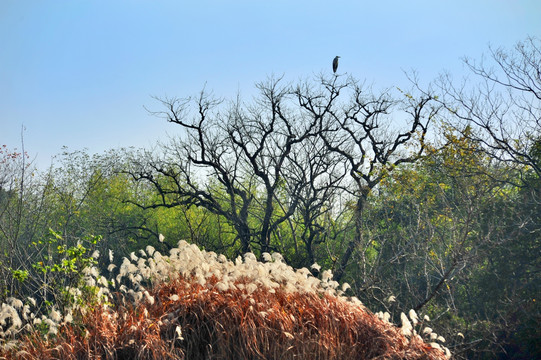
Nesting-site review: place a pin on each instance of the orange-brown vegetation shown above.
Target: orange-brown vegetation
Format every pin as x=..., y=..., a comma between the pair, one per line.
x=197, y=305
x=204, y=323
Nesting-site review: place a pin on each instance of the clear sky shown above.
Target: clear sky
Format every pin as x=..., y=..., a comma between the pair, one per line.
x=78, y=73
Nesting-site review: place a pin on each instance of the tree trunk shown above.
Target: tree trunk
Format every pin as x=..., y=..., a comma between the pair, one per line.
x=358, y=214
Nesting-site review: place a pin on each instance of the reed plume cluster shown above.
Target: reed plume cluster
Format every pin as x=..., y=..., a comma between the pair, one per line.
x=193, y=304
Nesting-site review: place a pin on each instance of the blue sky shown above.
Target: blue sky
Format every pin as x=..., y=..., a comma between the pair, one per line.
x=78, y=73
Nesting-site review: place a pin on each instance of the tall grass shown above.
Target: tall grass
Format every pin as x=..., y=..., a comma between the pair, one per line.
x=194, y=305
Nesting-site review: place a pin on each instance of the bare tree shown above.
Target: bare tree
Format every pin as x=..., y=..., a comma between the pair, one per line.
x=233, y=161
x=286, y=154
x=321, y=173
x=193, y=167
x=504, y=109
x=361, y=131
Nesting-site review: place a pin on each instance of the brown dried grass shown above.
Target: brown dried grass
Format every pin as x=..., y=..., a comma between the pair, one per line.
x=229, y=324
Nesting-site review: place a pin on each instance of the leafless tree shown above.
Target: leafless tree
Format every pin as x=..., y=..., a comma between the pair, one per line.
x=363, y=132
x=192, y=167
x=234, y=161
x=321, y=173
x=504, y=108
x=286, y=154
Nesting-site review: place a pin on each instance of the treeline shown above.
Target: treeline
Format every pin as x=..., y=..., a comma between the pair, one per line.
x=425, y=199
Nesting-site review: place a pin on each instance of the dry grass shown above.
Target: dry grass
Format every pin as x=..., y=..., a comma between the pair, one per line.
x=187, y=318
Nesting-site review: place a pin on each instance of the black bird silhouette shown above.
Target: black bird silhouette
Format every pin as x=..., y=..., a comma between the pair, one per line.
x=335, y=64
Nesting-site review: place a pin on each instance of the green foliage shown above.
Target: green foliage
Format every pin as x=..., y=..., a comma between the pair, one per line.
x=73, y=259
x=66, y=268
x=19, y=275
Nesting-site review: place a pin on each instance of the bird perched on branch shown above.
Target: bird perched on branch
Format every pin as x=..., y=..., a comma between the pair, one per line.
x=335, y=64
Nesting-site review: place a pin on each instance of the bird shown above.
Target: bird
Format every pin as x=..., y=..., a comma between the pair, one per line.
x=335, y=64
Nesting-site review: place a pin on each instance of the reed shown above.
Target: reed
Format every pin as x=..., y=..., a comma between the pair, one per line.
x=195, y=305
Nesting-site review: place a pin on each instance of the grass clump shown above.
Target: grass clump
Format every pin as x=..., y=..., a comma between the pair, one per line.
x=194, y=304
